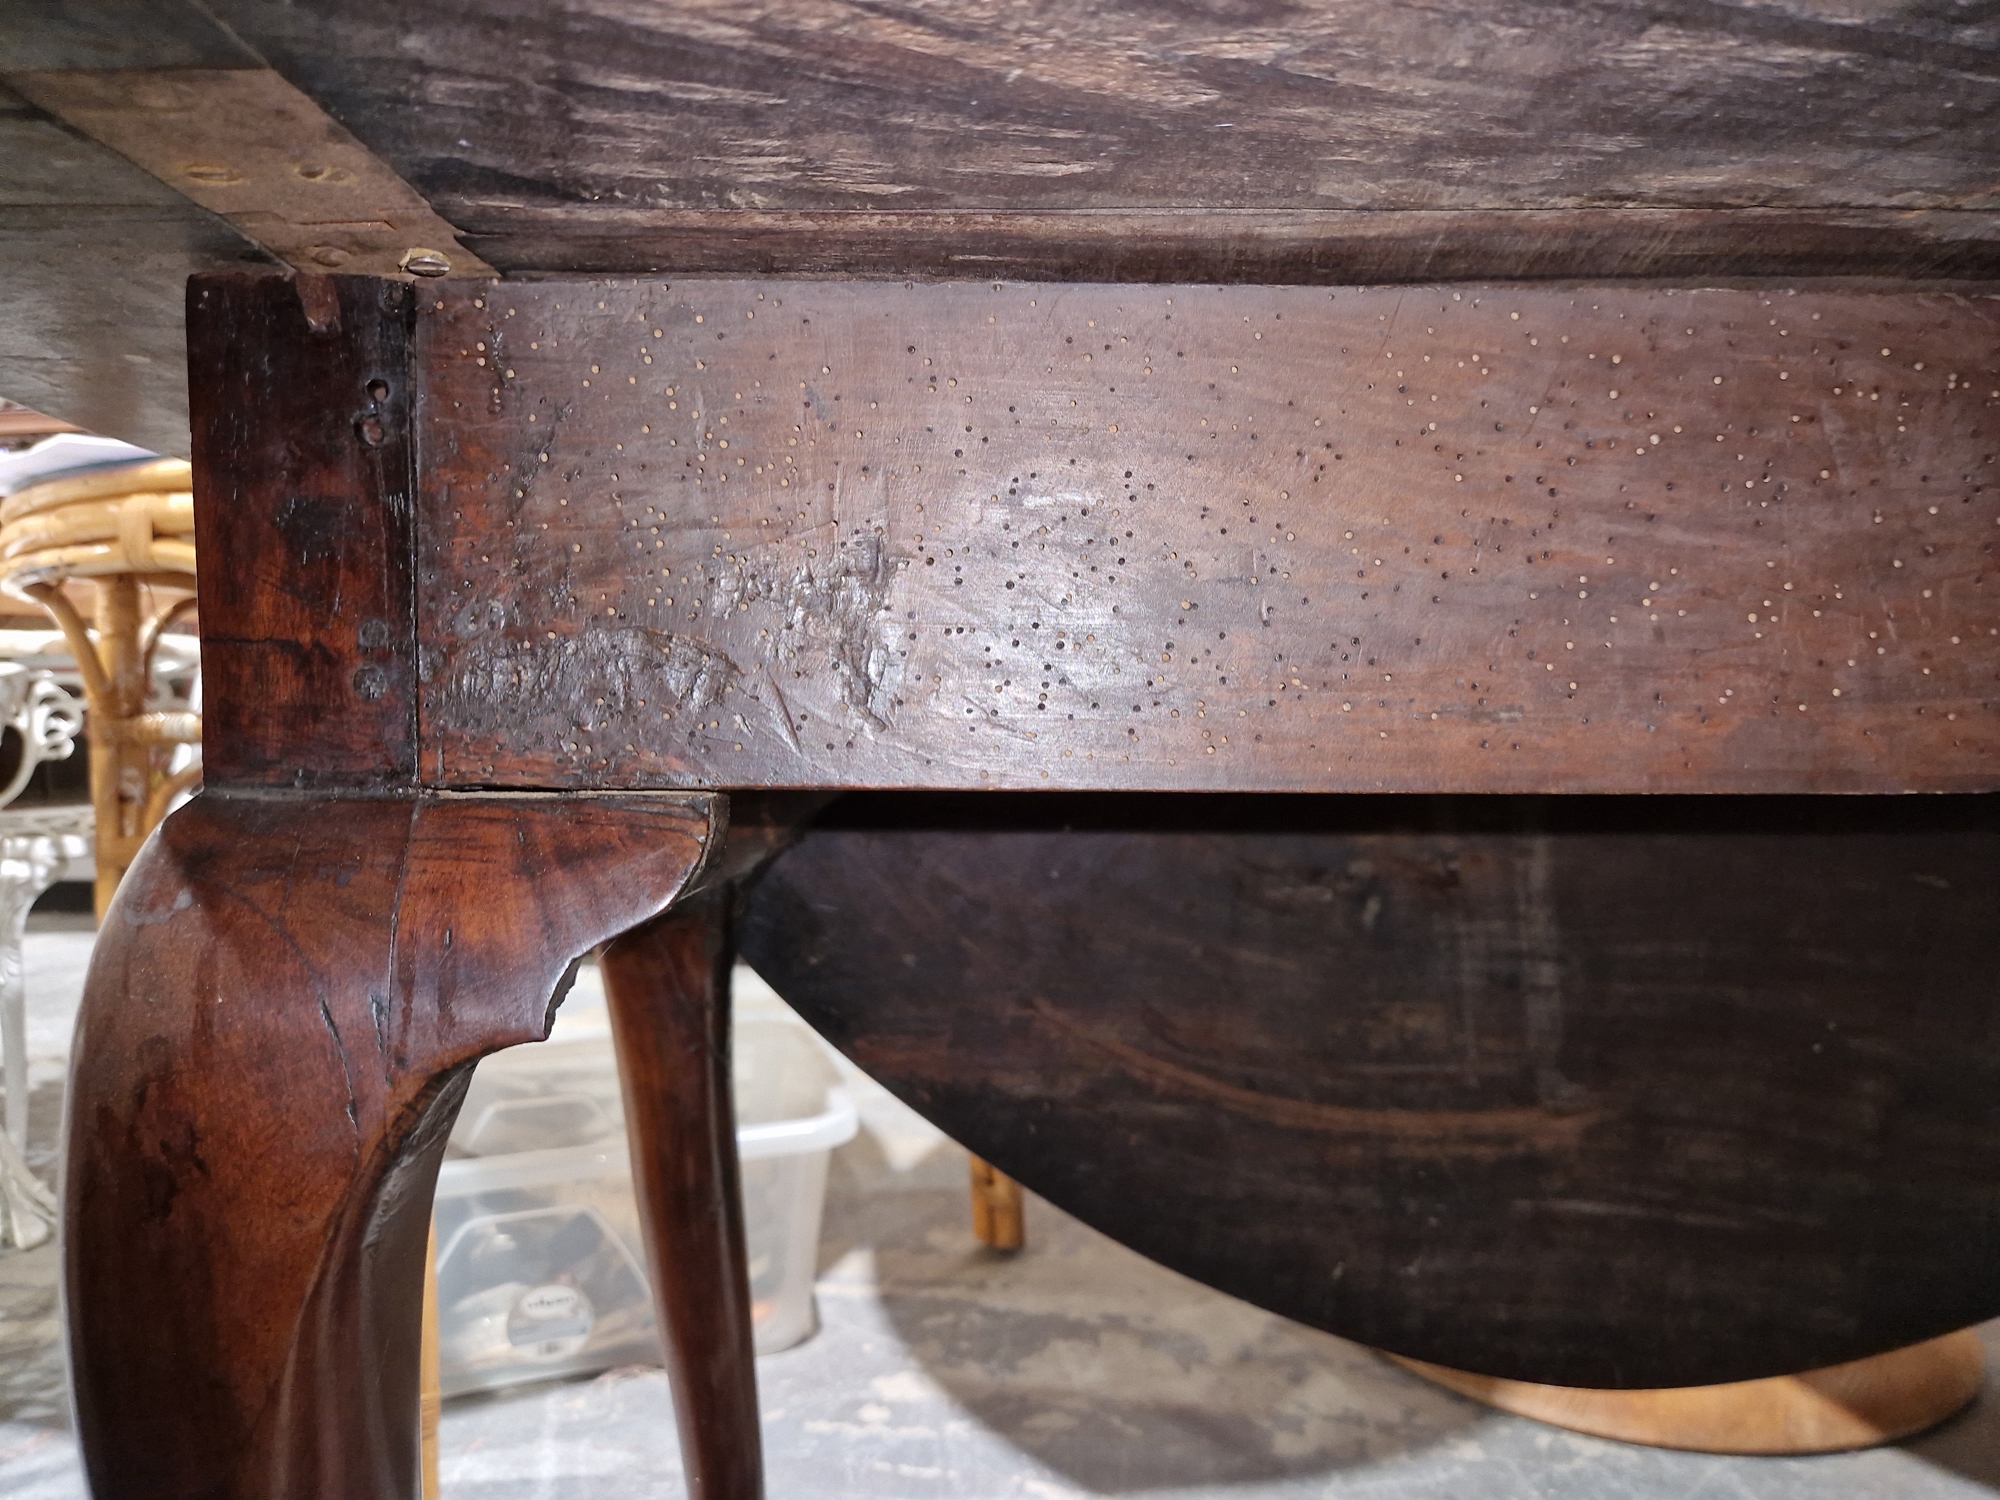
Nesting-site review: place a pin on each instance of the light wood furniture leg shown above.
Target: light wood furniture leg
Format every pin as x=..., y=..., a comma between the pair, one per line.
x=996, y=1207
x=430, y=1387
x=114, y=757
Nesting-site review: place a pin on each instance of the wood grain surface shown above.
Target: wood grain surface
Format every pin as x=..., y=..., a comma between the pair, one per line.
x=1337, y=247
x=1603, y=1093
x=304, y=476
x=1450, y=538
x=48, y=34
x=570, y=137
x=1258, y=140
x=246, y=145
x=95, y=257
x=282, y=1013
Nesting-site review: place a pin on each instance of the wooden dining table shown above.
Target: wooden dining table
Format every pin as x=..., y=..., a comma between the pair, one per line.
x=1491, y=511
x=508, y=590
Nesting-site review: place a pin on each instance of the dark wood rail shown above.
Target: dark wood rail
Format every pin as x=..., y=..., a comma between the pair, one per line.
x=748, y=534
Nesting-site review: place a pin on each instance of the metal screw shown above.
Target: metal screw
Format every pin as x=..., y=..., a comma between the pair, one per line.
x=330, y=255
x=421, y=262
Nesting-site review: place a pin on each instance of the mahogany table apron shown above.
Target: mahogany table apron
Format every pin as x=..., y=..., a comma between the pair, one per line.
x=503, y=585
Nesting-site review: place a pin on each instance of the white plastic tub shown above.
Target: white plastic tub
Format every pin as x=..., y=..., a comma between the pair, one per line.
x=541, y=1259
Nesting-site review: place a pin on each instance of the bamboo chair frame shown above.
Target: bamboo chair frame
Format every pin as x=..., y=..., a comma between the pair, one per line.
x=126, y=537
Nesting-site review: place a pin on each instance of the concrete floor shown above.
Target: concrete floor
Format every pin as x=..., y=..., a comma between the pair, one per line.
x=940, y=1370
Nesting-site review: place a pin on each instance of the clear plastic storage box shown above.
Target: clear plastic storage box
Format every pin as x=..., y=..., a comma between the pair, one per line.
x=540, y=1254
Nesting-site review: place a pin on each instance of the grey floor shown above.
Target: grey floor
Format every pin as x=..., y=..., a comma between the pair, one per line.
x=1075, y=1369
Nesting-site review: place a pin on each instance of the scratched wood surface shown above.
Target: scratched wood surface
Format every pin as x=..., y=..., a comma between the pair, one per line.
x=580, y=136
x=1422, y=539
x=1638, y=1092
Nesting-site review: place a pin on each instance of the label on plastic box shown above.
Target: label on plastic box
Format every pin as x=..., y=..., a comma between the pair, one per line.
x=549, y=1322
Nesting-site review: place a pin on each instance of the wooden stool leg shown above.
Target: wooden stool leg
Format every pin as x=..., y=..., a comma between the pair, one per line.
x=285, y=1004
x=996, y=1207
x=668, y=987
x=430, y=1378
x=1855, y=1405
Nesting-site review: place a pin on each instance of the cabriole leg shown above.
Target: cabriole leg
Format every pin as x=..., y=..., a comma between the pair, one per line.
x=286, y=1001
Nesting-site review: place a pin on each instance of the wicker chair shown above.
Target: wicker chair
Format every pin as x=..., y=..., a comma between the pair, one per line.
x=119, y=543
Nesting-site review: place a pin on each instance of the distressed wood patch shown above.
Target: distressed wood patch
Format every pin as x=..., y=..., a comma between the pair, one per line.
x=1448, y=538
